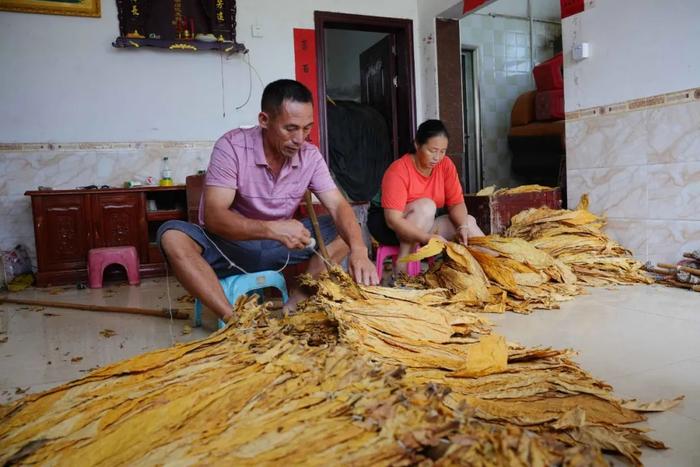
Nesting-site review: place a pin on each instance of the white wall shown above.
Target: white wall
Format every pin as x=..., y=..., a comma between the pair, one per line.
x=62, y=81
x=343, y=49
x=639, y=48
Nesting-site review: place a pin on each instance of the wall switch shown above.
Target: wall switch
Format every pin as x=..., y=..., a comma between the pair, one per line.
x=256, y=30
x=581, y=50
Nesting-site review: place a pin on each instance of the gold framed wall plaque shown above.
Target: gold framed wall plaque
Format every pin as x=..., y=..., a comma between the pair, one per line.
x=54, y=7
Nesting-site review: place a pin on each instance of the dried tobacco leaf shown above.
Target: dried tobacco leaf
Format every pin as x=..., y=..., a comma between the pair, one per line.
x=660, y=405
x=323, y=387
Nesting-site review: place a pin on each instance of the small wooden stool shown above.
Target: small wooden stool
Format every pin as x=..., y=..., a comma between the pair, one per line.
x=100, y=258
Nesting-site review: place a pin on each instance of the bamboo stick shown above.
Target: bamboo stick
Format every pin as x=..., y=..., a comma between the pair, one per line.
x=673, y=268
x=681, y=285
x=163, y=312
x=657, y=270
x=316, y=226
x=690, y=270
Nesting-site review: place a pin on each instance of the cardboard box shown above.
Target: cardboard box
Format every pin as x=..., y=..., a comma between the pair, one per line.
x=493, y=213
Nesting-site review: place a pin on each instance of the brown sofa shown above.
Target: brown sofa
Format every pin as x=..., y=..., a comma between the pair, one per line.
x=538, y=147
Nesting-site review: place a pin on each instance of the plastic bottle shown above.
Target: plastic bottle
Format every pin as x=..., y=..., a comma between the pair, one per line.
x=166, y=178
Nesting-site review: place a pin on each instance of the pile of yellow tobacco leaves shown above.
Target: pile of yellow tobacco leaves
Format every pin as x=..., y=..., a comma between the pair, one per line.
x=546, y=257
x=495, y=274
x=575, y=237
x=364, y=375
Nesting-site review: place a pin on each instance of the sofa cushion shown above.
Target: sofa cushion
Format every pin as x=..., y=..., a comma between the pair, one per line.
x=523, y=111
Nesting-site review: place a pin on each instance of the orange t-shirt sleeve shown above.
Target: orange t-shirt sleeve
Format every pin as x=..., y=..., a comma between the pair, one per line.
x=453, y=189
x=394, y=188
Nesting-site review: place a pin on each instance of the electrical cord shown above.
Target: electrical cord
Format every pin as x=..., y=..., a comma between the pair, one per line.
x=251, y=70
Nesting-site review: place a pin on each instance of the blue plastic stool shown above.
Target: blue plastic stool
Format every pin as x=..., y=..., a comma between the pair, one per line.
x=235, y=286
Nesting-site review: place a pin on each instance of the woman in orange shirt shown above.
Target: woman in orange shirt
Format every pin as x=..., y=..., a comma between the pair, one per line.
x=415, y=188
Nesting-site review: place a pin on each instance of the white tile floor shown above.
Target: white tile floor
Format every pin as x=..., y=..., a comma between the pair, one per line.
x=644, y=340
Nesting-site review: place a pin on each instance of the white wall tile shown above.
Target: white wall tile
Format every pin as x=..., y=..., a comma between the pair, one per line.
x=667, y=240
x=630, y=233
x=615, y=192
x=674, y=191
x=674, y=133
x=607, y=141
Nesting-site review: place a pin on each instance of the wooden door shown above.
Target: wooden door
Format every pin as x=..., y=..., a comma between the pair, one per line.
x=61, y=226
x=120, y=220
x=379, y=81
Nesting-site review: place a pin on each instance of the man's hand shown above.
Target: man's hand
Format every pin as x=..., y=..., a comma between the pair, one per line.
x=291, y=233
x=361, y=268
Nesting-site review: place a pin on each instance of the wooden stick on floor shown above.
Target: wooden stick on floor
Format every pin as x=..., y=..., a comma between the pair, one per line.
x=315, y=224
x=163, y=312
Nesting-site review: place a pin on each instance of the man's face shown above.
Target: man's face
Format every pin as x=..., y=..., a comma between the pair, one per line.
x=286, y=131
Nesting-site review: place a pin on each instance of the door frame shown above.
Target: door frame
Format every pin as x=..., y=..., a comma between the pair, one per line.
x=406, y=89
x=478, y=157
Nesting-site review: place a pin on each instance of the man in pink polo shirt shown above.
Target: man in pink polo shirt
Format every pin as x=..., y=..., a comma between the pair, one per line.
x=255, y=181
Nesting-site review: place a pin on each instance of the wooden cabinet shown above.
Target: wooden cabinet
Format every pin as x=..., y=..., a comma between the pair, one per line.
x=68, y=223
x=62, y=237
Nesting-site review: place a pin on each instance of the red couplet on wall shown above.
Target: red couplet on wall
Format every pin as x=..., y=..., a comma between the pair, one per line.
x=571, y=7
x=305, y=66
x=469, y=5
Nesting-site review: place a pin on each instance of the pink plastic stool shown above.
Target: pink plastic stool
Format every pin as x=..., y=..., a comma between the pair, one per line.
x=100, y=258
x=389, y=251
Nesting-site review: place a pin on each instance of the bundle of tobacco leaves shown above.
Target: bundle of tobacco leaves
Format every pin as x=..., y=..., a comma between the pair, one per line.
x=684, y=274
x=575, y=237
x=365, y=376
x=496, y=274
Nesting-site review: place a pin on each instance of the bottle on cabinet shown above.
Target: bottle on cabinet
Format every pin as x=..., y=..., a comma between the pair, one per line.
x=166, y=177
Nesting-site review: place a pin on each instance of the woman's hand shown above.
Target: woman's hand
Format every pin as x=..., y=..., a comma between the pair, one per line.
x=463, y=235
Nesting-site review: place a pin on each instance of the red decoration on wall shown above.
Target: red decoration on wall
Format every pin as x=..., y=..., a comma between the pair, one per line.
x=305, y=67
x=571, y=7
x=469, y=5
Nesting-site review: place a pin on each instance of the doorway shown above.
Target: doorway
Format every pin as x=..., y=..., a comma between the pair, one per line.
x=366, y=91
x=516, y=47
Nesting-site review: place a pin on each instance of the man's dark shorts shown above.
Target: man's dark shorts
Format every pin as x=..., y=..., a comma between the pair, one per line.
x=248, y=255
